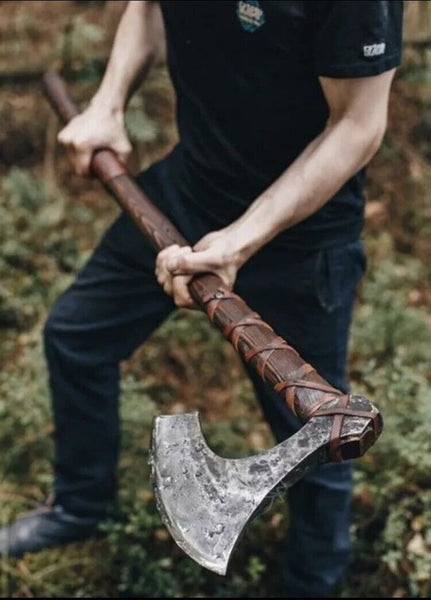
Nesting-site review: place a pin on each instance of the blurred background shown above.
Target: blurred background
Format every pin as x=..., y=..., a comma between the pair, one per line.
x=50, y=220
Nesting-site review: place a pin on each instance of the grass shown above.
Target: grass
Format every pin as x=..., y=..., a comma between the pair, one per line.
x=49, y=222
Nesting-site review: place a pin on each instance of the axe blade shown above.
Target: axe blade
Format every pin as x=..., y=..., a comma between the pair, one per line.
x=206, y=500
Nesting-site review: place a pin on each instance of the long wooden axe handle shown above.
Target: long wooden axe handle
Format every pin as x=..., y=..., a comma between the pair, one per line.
x=306, y=393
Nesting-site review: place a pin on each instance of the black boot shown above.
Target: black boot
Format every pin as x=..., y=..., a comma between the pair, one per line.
x=45, y=527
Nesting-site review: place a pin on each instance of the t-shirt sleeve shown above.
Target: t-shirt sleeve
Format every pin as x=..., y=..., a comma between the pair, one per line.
x=357, y=38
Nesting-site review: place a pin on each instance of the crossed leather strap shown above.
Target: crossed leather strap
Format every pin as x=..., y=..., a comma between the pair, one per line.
x=234, y=332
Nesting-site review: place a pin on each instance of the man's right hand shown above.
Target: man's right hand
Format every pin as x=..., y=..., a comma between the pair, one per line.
x=93, y=129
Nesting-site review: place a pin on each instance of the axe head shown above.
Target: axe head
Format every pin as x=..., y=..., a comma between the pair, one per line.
x=206, y=500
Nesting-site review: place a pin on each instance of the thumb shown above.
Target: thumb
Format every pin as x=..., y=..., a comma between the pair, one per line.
x=195, y=262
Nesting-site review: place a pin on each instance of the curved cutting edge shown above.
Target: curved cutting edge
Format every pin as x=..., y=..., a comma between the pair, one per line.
x=206, y=500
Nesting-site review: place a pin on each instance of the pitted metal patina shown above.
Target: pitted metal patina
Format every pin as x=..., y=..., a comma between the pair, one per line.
x=206, y=500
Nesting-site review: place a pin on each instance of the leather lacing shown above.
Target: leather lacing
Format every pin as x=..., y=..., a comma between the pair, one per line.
x=233, y=332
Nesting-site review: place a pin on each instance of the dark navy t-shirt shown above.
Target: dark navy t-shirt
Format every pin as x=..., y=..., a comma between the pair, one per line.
x=249, y=99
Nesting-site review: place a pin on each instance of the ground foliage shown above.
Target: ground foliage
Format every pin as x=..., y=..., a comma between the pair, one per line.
x=49, y=222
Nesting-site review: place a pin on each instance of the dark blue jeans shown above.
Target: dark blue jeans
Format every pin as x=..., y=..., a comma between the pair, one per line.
x=115, y=304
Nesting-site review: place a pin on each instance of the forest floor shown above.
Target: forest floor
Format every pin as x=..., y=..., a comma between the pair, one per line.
x=50, y=220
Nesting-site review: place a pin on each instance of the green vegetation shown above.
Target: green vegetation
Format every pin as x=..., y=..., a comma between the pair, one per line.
x=49, y=222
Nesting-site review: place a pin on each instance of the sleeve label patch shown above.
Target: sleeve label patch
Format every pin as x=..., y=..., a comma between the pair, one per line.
x=371, y=50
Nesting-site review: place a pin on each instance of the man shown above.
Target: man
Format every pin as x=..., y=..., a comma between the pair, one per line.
x=280, y=105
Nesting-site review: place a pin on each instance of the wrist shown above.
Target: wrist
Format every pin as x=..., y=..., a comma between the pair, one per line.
x=242, y=244
x=256, y=227
x=108, y=104
x=106, y=108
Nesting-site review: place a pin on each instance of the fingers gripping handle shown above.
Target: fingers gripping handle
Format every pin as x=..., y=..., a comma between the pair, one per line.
x=104, y=163
x=114, y=175
x=306, y=393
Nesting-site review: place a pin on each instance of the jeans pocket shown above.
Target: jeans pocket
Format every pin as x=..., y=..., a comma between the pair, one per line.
x=338, y=270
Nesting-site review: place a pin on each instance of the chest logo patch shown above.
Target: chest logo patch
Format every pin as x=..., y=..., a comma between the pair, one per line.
x=250, y=15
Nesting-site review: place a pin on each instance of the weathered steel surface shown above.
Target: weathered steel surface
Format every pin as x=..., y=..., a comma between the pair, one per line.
x=206, y=500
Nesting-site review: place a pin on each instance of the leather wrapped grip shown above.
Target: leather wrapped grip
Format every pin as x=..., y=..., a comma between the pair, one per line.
x=306, y=393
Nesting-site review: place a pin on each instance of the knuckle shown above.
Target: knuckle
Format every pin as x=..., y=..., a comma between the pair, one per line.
x=64, y=139
x=125, y=146
x=167, y=251
x=81, y=146
x=180, y=302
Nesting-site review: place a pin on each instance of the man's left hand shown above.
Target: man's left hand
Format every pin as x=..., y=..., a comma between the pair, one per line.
x=214, y=253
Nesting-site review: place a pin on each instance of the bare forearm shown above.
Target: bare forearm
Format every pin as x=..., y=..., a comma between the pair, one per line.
x=138, y=43
x=301, y=190
x=357, y=120
x=309, y=182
